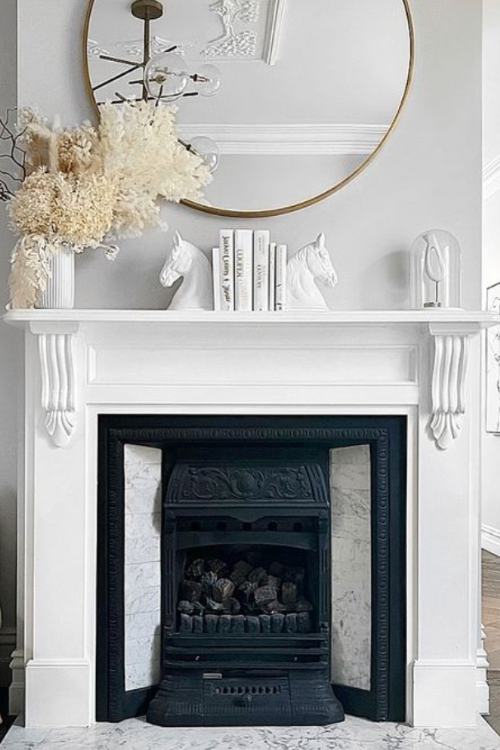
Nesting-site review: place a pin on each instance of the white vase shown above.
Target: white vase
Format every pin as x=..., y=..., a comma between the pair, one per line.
x=60, y=291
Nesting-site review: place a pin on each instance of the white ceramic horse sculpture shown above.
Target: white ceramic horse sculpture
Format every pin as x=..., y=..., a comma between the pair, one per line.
x=186, y=260
x=310, y=263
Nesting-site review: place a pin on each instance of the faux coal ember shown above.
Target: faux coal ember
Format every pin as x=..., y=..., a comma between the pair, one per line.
x=238, y=597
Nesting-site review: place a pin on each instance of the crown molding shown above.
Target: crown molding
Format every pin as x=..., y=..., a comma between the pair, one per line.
x=289, y=139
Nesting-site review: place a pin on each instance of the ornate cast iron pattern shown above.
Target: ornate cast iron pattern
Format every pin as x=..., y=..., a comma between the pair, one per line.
x=116, y=561
x=116, y=437
x=239, y=484
x=380, y=675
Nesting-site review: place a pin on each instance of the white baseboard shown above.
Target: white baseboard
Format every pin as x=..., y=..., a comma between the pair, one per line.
x=490, y=539
x=483, y=698
x=7, y=646
x=17, y=686
x=482, y=687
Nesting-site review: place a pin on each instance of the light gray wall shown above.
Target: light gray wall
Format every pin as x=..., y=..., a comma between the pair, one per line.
x=491, y=443
x=9, y=348
x=428, y=175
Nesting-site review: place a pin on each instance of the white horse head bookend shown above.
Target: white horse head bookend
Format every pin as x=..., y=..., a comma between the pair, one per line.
x=186, y=260
x=310, y=263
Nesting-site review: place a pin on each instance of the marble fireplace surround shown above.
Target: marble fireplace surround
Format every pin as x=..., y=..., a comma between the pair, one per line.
x=83, y=363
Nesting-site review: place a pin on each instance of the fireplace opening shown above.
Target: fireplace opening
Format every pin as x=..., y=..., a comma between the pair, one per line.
x=251, y=570
x=245, y=586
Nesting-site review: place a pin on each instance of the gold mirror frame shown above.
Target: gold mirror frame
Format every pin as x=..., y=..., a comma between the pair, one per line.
x=215, y=211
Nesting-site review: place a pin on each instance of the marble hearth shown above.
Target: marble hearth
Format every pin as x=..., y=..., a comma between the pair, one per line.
x=353, y=734
x=83, y=364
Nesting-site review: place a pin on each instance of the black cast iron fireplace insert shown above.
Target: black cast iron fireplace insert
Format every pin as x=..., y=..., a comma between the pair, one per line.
x=246, y=570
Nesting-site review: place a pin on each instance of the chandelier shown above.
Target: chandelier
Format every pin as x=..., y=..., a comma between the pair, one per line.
x=166, y=77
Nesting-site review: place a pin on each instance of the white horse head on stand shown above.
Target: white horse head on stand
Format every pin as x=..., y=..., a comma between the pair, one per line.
x=310, y=263
x=186, y=260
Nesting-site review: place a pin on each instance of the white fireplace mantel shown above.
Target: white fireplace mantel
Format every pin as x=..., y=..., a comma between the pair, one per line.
x=56, y=329
x=80, y=364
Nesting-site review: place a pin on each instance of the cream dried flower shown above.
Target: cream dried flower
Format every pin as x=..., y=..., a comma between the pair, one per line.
x=73, y=210
x=30, y=270
x=86, y=184
x=78, y=151
x=141, y=153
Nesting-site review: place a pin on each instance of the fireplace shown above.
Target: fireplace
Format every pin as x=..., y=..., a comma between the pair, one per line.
x=403, y=375
x=251, y=628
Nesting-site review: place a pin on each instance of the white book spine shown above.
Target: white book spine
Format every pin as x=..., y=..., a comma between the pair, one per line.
x=243, y=270
x=272, y=276
x=216, y=277
x=261, y=270
x=281, y=262
x=226, y=245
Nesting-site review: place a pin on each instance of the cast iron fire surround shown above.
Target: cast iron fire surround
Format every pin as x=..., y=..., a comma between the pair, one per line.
x=387, y=439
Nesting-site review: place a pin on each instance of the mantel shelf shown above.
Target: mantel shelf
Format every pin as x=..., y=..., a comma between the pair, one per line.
x=478, y=319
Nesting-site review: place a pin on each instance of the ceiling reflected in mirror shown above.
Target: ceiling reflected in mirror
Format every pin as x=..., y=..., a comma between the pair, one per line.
x=287, y=100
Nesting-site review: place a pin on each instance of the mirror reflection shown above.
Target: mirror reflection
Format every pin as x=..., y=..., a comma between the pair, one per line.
x=285, y=99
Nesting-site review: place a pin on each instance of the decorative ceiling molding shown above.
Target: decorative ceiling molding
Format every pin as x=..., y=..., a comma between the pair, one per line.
x=286, y=139
x=491, y=178
x=275, y=18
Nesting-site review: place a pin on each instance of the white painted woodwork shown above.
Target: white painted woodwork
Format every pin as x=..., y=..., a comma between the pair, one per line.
x=160, y=362
x=58, y=385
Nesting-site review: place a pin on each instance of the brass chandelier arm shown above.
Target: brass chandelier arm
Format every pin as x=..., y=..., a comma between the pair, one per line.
x=119, y=60
x=118, y=76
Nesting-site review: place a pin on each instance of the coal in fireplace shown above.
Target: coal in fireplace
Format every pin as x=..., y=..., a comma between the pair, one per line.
x=246, y=580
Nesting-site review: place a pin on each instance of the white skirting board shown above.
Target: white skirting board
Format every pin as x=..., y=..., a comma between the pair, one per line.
x=7, y=646
x=490, y=539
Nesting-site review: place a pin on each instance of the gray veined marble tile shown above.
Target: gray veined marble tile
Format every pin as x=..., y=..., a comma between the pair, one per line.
x=142, y=624
x=142, y=600
x=142, y=479
x=139, y=650
x=350, y=471
x=142, y=526
x=353, y=734
x=142, y=468
x=142, y=575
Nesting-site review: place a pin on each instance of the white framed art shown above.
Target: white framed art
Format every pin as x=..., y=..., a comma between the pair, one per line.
x=493, y=363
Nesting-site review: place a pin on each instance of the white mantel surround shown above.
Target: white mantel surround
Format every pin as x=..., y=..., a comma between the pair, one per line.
x=83, y=363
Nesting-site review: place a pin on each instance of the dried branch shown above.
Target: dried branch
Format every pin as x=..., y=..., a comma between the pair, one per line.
x=12, y=152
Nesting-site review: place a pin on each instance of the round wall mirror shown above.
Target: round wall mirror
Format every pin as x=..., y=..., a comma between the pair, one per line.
x=297, y=96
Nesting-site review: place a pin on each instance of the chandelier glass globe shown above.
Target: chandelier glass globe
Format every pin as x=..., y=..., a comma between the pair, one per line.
x=207, y=150
x=166, y=76
x=207, y=80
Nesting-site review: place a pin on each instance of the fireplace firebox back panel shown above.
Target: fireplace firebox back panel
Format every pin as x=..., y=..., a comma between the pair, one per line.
x=246, y=569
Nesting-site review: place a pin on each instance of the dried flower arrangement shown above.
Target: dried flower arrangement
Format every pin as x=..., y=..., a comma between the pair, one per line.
x=85, y=186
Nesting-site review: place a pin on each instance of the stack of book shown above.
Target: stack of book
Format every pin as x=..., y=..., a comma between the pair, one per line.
x=249, y=271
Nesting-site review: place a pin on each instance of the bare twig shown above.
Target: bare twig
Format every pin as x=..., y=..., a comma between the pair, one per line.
x=14, y=154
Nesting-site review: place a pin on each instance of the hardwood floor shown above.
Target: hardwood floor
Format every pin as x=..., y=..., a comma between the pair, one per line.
x=491, y=622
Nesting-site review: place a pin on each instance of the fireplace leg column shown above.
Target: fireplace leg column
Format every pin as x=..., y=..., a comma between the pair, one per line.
x=58, y=549
x=445, y=670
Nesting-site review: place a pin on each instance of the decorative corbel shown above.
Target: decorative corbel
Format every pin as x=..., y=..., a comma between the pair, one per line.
x=57, y=368
x=448, y=382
